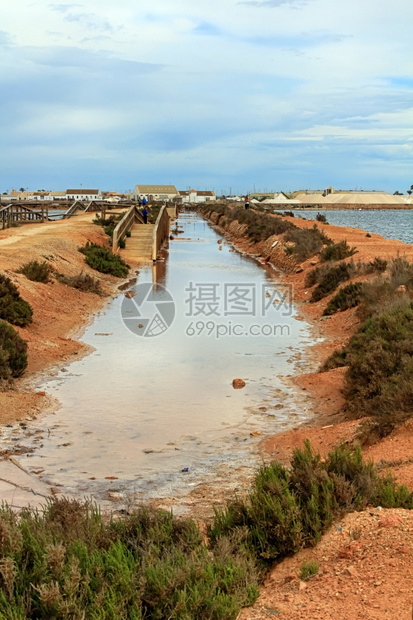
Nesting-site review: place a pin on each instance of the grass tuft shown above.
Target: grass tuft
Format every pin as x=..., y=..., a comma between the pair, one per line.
x=37, y=272
x=308, y=569
x=83, y=282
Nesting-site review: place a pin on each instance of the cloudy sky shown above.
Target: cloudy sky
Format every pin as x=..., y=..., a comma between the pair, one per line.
x=225, y=94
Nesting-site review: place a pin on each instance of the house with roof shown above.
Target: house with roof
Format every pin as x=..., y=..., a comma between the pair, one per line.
x=155, y=192
x=194, y=196
x=83, y=194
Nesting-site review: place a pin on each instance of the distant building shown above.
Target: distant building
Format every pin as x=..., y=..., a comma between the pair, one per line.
x=195, y=196
x=155, y=192
x=268, y=195
x=83, y=194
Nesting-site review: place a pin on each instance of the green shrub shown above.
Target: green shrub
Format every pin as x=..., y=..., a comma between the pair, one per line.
x=109, y=229
x=291, y=508
x=13, y=352
x=347, y=297
x=37, y=272
x=82, y=282
x=377, y=264
x=103, y=260
x=330, y=279
x=112, y=220
x=122, y=243
x=13, y=308
x=321, y=218
x=69, y=562
x=307, y=241
x=337, y=251
x=379, y=377
x=401, y=272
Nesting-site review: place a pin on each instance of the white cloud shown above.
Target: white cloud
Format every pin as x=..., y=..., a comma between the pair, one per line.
x=238, y=88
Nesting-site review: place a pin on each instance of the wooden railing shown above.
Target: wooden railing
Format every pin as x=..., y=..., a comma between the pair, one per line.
x=78, y=204
x=17, y=213
x=131, y=216
x=160, y=232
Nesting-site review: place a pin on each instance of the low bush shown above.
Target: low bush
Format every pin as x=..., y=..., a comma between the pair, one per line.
x=291, y=508
x=337, y=251
x=122, y=243
x=13, y=352
x=69, y=562
x=379, y=378
x=112, y=220
x=307, y=241
x=330, y=279
x=347, y=297
x=103, y=260
x=13, y=308
x=321, y=218
x=109, y=229
x=401, y=273
x=82, y=282
x=37, y=272
x=383, y=293
x=376, y=265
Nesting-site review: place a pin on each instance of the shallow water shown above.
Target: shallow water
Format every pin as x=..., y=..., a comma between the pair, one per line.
x=389, y=223
x=141, y=409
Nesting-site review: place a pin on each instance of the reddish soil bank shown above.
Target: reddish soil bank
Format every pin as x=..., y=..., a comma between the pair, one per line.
x=365, y=560
x=59, y=311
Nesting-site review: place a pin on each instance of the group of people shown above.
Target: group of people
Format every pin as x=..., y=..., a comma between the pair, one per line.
x=145, y=211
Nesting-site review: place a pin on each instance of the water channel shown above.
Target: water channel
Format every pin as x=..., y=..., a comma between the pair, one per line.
x=153, y=412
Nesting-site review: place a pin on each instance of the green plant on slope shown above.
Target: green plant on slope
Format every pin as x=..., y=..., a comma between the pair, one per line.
x=104, y=260
x=36, y=271
x=13, y=352
x=13, y=308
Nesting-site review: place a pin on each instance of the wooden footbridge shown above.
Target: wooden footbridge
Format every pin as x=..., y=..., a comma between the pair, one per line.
x=17, y=213
x=146, y=240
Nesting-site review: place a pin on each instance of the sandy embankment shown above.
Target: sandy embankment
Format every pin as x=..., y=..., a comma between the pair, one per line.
x=59, y=312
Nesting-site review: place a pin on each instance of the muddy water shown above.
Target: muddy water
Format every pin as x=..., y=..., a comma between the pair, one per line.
x=155, y=415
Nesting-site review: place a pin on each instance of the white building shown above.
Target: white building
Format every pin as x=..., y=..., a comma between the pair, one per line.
x=195, y=196
x=83, y=194
x=155, y=192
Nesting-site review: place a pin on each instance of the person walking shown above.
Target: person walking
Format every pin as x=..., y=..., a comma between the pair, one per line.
x=247, y=202
x=145, y=214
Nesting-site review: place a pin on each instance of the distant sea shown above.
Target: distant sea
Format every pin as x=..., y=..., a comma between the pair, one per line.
x=389, y=223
